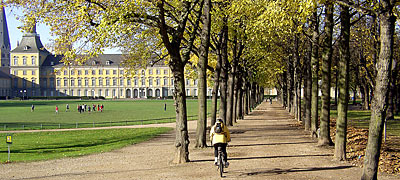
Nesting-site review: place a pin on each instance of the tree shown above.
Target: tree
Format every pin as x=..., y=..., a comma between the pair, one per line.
x=224, y=71
x=343, y=80
x=101, y=24
x=380, y=100
x=307, y=88
x=325, y=139
x=315, y=71
x=202, y=75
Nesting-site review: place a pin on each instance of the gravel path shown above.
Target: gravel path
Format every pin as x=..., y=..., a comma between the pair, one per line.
x=264, y=146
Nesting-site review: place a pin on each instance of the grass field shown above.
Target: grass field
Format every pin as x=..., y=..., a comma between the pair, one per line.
x=18, y=115
x=361, y=118
x=54, y=145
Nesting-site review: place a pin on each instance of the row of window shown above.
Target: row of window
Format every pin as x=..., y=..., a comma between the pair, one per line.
x=4, y=83
x=114, y=82
x=24, y=72
x=78, y=92
x=151, y=72
x=25, y=60
x=4, y=92
x=87, y=92
x=93, y=82
x=107, y=72
x=79, y=72
x=99, y=82
x=92, y=72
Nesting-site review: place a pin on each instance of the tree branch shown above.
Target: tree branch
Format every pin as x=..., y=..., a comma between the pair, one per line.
x=358, y=8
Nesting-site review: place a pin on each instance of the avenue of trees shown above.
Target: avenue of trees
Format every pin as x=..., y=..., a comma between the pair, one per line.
x=300, y=47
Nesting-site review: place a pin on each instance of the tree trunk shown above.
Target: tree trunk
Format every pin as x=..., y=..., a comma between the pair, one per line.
x=299, y=118
x=362, y=91
x=284, y=90
x=315, y=71
x=214, y=102
x=367, y=97
x=325, y=139
x=260, y=97
x=177, y=65
x=394, y=91
x=296, y=62
x=343, y=83
x=390, y=108
x=247, y=99
x=224, y=74
x=336, y=84
x=235, y=99
x=229, y=100
x=182, y=137
x=253, y=95
x=379, y=103
x=261, y=94
x=398, y=99
x=201, y=140
x=307, y=91
x=290, y=86
x=240, y=100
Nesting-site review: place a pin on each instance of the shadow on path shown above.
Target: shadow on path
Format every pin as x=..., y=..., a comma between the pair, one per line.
x=284, y=171
x=264, y=157
x=80, y=174
x=269, y=144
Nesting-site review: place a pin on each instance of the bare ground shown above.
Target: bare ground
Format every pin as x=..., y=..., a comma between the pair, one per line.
x=264, y=145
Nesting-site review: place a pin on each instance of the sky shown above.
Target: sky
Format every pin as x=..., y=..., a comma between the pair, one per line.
x=43, y=31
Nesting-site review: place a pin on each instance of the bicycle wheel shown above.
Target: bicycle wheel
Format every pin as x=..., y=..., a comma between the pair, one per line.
x=221, y=163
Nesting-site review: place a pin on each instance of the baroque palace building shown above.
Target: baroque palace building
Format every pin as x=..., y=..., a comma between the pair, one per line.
x=31, y=70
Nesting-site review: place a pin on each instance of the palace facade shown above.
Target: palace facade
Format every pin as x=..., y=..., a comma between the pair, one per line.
x=34, y=71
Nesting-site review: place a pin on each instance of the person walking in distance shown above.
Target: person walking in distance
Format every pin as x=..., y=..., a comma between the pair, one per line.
x=219, y=137
x=56, y=109
x=67, y=108
x=32, y=108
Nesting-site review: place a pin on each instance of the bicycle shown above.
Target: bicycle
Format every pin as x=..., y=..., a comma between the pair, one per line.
x=220, y=161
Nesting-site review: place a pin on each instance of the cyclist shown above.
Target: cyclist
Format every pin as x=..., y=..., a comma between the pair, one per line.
x=219, y=137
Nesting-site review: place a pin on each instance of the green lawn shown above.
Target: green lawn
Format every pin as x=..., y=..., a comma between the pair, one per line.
x=53, y=145
x=19, y=114
x=361, y=118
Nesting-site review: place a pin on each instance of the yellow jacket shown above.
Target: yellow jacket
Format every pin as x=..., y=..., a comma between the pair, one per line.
x=223, y=137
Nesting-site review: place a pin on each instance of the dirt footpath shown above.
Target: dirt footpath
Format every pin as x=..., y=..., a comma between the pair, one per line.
x=264, y=146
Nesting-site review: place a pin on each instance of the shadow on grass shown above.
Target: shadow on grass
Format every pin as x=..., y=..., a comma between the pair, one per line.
x=262, y=157
x=62, y=147
x=284, y=171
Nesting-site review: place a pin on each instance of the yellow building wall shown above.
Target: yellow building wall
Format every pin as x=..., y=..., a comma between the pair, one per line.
x=22, y=67
x=113, y=74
